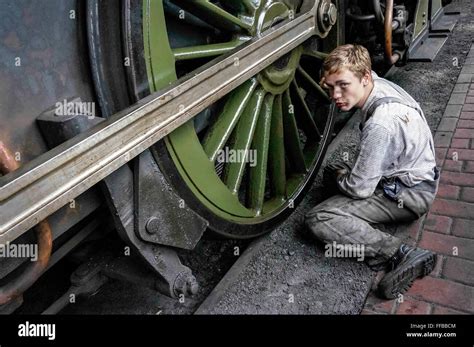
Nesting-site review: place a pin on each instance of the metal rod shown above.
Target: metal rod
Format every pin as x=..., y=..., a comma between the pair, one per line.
x=391, y=58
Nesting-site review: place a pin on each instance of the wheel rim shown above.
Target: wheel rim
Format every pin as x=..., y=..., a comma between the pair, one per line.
x=267, y=117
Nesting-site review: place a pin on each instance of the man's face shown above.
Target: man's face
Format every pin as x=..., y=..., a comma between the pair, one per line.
x=346, y=89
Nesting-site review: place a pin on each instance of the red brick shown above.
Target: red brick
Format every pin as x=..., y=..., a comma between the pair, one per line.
x=444, y=310
x=469, y=167
x=467, y=115
x=469, y=100
x=452, y=165
x=470, y=92
x=452, y=208
x=440, y=224
x=462, y=154
x=378, y=305
x=414, y=230
x=465, y=124
x=412, y=306
x=463, y=228
x=444, y=292
x=464, y=133
x=460, y=143
x=447, y=244
x=459, y=270
x=468, y=107
x=467, y=194
x=448, y=191
x=438, y=266
x=457, y=178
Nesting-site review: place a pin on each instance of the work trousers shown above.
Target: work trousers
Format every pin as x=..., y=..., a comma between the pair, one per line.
x=347, y=221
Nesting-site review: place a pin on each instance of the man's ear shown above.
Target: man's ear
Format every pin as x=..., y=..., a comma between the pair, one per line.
x=367, y=78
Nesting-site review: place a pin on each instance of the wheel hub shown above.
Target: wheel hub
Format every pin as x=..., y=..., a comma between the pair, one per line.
x=277, y=77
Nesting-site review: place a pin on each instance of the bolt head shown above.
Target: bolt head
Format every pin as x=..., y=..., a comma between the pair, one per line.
x=151, y=225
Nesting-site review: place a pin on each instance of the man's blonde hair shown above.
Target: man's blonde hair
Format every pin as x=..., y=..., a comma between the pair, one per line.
x=355, y=58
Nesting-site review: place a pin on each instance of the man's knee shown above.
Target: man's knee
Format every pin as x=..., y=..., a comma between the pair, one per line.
x=315, y=220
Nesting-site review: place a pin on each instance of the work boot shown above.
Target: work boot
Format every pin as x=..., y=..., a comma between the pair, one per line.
x=405, y=266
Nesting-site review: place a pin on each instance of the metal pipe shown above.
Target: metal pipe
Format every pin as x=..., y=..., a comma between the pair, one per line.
x=359, y=17
x=391, y=58
x=17, y=286
x=380, y=17
x=378, y=11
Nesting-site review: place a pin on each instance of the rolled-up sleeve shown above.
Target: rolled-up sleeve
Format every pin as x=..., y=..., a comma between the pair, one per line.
x=368, y=169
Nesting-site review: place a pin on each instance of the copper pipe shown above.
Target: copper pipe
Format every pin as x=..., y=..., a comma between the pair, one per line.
x=18, y=285
x=391, y=58
x=7, y=160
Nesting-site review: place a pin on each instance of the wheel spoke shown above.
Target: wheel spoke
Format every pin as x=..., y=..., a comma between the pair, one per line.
x=277, y=151
x=240, y=5
x=313, y=83
x=218, y=135
x=244, y=132
x=304, y=115
x=203, y=51
x=291, y=136
x=261, y=141
x=315, y=54
x=213, y=14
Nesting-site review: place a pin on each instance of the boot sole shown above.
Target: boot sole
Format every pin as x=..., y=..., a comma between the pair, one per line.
x=398, y=282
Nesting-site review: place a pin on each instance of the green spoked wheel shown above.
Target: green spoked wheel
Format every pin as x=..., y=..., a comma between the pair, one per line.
x=243, y=163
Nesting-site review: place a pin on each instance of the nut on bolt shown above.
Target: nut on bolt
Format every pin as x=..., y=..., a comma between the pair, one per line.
x=185, y=284
x=330, y=15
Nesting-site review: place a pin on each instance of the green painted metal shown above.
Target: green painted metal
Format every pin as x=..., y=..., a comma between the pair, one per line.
x=258, y=173
x=214, y=14
x=313, y=83
x=158, y=56
x=244, y=133
x=292, y=138
x=314, y=54
x=421, y=18
x=305, y=117
x=223, y=127
x=277, y=151
x=274, y=11
x=204, y=51
x=436, y=6
x=276, y=79
x=258, y=114
x=199, y=174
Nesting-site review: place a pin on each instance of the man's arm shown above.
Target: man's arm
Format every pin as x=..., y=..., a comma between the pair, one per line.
x=361, y=182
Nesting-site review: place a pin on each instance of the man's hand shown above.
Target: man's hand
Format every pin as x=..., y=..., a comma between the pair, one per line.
x=331, y=174
x=337, y=170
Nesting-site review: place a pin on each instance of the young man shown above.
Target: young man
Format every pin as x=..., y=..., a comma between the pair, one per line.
x=394, y=178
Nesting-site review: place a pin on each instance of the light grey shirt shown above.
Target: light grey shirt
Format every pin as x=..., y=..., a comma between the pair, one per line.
x=396, y=141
